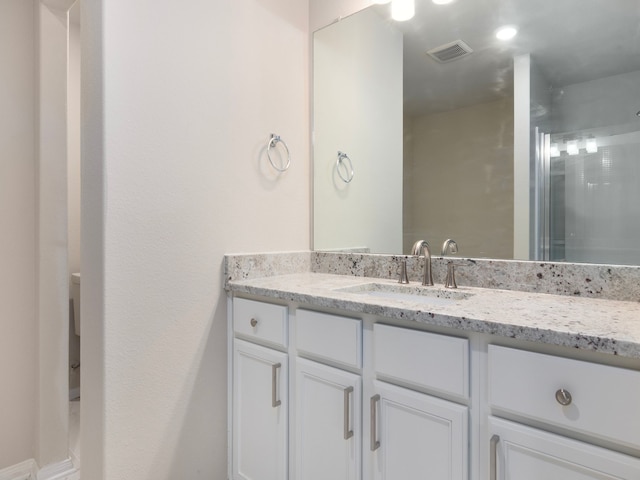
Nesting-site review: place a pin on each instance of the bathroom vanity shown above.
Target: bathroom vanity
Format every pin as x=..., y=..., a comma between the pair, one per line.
x=352, y=377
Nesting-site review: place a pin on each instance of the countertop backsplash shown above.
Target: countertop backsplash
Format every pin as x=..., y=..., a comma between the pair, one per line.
x=571, y=279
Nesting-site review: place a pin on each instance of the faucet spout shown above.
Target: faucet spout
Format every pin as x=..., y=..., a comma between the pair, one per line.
x=449, y=247
x=422, y=247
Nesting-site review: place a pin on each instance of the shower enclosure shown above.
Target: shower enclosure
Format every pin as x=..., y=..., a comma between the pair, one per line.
x=587, y=196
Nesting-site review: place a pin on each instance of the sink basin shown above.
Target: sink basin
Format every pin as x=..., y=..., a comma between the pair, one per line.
x=408, y=293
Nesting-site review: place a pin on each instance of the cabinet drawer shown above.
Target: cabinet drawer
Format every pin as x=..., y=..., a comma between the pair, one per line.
x=428, y=360
x=260, y=322
x=329, y=337
x=604, y=400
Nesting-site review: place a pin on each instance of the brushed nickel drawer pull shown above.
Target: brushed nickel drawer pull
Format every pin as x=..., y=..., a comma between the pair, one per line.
x=493, y=458
x=563, y=397
x=253, y=322
x=375, y=443
x=348, y=433
x=275, y=401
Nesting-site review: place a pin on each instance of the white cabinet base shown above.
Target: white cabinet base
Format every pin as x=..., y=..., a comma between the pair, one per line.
x=524, y=453
x=416, y=436
x=260, y=413
x=328, y=426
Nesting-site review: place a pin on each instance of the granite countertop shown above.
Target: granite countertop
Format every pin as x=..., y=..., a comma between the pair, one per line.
x=605, y=326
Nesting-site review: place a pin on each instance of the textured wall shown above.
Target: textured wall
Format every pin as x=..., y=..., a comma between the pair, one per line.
x=358, y=110
x=179, y=106
x=18, y=327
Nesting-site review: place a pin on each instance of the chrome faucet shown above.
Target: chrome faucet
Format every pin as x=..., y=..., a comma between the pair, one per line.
x=421, y=246
x=449, y=247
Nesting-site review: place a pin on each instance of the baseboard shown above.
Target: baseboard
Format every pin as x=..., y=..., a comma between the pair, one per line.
x=74, y=459
x=57, y=471
x=27, y=470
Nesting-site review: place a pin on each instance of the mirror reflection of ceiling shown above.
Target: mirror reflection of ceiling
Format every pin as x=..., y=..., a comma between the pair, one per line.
x=562, y=36
x=471, y=136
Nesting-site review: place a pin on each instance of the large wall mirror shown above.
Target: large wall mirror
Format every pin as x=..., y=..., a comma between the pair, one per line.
x=434, y=128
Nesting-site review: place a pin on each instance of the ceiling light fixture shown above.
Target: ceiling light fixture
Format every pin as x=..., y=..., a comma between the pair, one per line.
x=402, y=10
x=572, y=147
x=506, y=33
x=591, y=145
x=554, y=151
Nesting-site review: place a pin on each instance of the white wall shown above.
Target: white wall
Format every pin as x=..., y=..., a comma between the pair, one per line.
x=614, y=99
x=73, y=139
x=325, y=12
x=358, y=110
x=53, y=290
x=178, y=107
x=521, y=160
x=18, y=327
x=73, y=174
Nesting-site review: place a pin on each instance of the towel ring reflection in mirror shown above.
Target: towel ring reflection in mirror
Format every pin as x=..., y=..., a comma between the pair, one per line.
x=273, y=141
x=344, y=167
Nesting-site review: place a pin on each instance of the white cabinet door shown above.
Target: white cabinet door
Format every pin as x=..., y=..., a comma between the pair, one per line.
x=328, y=423
x=260, y=413
x=416, y=436
x=524, y=453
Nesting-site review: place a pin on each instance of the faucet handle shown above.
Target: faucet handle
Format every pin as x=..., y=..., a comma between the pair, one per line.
x=404, y=278
x=450, y=281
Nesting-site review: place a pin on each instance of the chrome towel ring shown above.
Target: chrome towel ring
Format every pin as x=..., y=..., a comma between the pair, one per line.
x=273, y=141
x=343, y=163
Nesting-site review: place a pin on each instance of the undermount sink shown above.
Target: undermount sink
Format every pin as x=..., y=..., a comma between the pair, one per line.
x=410, y=293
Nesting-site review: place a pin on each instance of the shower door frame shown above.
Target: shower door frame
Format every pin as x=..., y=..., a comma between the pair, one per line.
x=541, y=234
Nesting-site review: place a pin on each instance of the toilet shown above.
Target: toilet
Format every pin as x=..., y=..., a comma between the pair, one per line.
x=75, y=296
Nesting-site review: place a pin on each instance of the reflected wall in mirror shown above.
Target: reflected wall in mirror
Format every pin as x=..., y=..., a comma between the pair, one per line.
x=526, y=149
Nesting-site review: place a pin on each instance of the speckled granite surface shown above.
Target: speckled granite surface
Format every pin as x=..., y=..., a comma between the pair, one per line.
x=591, y=307
x=605, y=326
x=574, y=279
x=250, y=265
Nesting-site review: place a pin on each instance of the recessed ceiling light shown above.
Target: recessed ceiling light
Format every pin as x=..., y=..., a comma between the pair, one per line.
x=402, y=10
x=442, y=2
x=506, y=33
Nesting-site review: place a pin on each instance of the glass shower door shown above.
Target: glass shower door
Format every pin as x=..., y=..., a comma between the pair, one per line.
x=592, y=190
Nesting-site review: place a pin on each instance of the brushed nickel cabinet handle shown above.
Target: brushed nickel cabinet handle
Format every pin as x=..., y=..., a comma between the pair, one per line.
x=375, y=443
x=563, y=397
x=253, y=322
x=348, y=433
x=275, y=401
x=493, y=460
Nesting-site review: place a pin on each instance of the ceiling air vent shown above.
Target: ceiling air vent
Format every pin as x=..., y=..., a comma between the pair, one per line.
x=450, y=51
